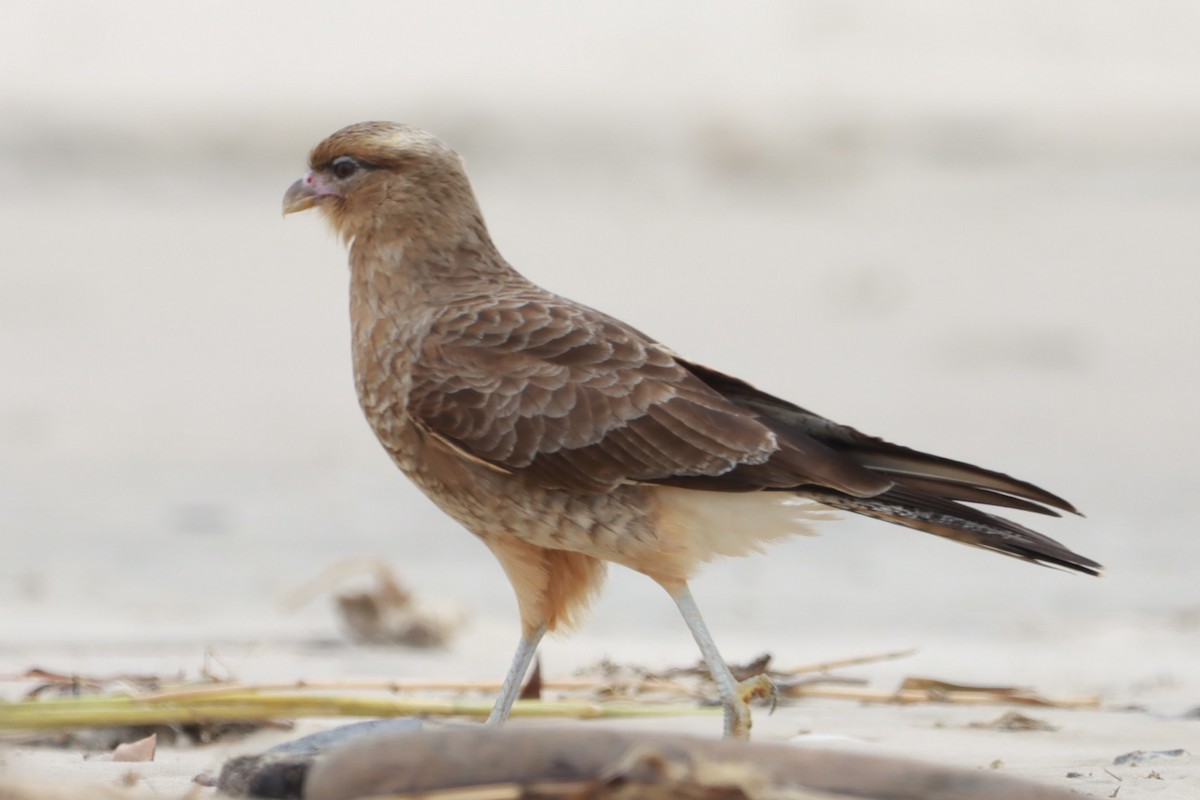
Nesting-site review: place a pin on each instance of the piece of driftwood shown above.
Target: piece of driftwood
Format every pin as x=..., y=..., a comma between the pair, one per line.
x=535, y=762
x=279, y=773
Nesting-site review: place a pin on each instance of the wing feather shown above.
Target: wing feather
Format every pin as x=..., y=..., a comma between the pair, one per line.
x=901, y=464
x=576, y=400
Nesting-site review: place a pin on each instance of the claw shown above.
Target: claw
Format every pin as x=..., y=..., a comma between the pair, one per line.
x=737, y=709
x=759, y=686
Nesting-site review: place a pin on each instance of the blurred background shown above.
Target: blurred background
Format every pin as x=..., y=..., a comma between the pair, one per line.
x=970, y=228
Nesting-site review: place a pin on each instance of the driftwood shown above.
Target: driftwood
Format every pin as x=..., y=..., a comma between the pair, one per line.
x=536, y=762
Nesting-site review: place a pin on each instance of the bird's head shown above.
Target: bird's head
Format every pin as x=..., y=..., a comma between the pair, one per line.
x=383, y=175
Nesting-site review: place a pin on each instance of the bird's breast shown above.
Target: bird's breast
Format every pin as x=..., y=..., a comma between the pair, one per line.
x=384, y=352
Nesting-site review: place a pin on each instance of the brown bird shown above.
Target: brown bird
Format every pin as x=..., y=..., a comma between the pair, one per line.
x=564, y=438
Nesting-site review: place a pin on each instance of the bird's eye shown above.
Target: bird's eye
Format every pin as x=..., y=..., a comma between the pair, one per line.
x=343, y=167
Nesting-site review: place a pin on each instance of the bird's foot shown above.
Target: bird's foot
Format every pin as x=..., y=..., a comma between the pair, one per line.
x=737, y=711
x=759, y=687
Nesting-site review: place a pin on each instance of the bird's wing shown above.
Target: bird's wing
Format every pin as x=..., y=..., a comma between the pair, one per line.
x=576, y=400
x=928, y=491
x=955, y=480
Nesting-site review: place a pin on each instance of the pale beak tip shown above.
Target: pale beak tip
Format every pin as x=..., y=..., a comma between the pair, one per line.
x=300, y=196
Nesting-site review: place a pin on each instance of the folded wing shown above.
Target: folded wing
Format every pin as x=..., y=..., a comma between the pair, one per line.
x=575, y=400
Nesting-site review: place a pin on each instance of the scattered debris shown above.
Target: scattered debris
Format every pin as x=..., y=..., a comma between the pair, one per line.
x=856, y=661
x=216, y=707
x=141, y=750
x=1138, y=756
x=752, y=669
x=1014, y=721
x=814, y=681
x=608, y=680
x=1120, y=782
x=62, y=684
x=938, y=691
x=385, y=614
x=102, y=735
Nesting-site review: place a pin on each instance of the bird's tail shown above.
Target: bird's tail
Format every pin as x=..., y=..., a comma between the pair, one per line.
x=916, y=508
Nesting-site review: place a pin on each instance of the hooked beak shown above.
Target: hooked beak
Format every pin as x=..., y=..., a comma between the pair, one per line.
x=306, y=193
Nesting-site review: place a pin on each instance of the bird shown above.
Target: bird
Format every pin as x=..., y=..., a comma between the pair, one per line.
x=566, y=439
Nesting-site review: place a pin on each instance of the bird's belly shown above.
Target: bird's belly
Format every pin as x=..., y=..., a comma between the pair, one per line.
x=618, y=526
x=614, y=526
x=666, y=533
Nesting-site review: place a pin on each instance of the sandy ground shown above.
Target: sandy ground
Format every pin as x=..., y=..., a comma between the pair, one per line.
x=971, y=229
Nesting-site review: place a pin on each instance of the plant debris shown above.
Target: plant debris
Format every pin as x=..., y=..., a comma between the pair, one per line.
x=56, y=691
x=385, y=614
x=939, y=691
x=221, y=706
x=1014, y=721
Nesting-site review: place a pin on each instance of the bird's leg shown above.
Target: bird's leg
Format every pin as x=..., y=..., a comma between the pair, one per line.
x=733, y=694
x=516, y=675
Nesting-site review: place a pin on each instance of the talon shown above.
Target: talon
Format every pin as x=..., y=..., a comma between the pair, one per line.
x=760, y=686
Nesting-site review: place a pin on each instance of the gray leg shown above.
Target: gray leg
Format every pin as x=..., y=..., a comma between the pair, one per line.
x=516, y=675
x=737, y=713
